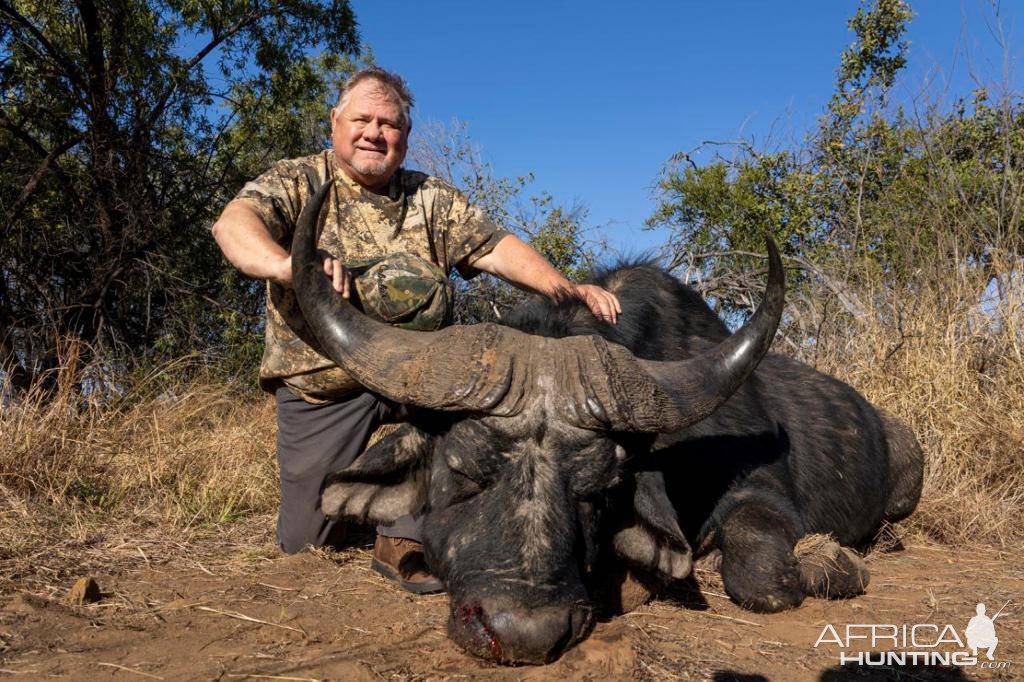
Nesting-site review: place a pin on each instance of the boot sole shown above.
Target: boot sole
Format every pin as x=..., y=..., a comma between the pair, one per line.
x=434, y=586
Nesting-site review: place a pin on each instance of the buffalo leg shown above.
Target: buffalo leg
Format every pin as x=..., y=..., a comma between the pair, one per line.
x=829, y=570
x=759, y=570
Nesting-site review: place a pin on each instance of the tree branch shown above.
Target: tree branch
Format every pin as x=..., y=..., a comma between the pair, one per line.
x=19, y=132
x=849, y=300
x=33, y=183
x=214, y=43
x=59, y=57
x=94, y=53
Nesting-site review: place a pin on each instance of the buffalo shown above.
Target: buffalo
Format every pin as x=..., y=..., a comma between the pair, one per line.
x=550, y=452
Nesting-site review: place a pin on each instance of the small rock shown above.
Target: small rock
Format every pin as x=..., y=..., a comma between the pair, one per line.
x=85, y=591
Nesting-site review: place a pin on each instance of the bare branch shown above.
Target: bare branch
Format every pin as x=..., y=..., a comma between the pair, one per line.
x=849, y=299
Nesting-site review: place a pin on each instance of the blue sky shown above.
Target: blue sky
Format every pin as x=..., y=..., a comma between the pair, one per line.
x=593, y=97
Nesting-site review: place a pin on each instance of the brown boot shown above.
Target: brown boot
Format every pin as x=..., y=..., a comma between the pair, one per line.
x=402, y=561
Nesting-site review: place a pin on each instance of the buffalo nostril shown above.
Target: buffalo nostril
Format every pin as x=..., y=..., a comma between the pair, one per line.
x=536, y=636
x=469, y=628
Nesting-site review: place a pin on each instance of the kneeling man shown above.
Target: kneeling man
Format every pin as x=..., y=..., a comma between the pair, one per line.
x=375, y=209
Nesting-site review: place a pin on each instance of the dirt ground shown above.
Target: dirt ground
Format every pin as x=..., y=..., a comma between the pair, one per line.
x=218, y=607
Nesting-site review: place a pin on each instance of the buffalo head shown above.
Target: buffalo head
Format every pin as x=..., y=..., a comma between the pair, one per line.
x=517, y=455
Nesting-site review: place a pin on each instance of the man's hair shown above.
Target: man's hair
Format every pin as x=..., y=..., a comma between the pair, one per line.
x=393, y=84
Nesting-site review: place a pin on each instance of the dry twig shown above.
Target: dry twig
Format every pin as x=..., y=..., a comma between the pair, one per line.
x=250, y=619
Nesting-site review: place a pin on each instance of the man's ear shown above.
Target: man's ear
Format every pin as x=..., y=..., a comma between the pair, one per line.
x=653, y=541
x=386, y=482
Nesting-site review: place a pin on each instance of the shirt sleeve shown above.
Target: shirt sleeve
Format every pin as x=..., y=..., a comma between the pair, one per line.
x=472, y=235
x=277, y=198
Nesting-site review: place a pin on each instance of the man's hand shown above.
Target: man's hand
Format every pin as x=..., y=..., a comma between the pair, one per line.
x=603, y=304
x=518, y=263
x=341, y=278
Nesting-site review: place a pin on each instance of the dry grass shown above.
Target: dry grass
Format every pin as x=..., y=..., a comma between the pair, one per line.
x=954, y=371
x=89, y=485
x=190, y=454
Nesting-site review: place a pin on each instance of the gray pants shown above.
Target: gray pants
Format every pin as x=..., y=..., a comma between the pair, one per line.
x=316, y=440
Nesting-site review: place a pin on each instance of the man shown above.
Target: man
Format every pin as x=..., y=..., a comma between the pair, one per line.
x=375, y=208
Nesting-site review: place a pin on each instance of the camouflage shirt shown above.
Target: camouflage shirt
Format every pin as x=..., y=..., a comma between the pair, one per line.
x=419, y=214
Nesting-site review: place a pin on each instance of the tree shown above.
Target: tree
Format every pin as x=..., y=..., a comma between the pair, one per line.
x=556, y=231
x=123, y=126
x=877, y=199
x=806, y=196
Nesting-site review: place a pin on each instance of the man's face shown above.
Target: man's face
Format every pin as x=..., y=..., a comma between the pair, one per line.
x=369, y=135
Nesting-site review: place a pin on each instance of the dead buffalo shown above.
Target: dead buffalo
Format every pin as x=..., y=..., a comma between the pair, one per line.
x=544, y=454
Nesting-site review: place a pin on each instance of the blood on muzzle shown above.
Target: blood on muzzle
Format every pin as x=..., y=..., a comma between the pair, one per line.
x=511, y=634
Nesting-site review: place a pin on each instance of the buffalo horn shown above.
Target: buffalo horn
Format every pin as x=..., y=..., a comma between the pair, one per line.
x=457, y=368
x=700, y=384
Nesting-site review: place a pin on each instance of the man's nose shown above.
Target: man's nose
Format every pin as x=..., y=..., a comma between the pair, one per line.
x=372, y=131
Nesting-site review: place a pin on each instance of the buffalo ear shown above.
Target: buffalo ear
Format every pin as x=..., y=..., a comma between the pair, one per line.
x=384, y=483
x=654, y=542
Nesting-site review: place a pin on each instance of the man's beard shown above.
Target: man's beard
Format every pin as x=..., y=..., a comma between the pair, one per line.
x=371, y=168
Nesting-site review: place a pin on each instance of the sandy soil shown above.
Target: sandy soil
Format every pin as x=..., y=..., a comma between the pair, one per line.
x=232, y=608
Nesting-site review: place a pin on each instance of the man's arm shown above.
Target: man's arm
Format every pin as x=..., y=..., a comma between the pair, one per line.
x=518, y=263
x=247, y=244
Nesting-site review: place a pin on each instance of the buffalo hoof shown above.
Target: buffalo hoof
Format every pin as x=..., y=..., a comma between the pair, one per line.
x=774, y=601
x=766, y=582
x=829, y=570
x=621, y=590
